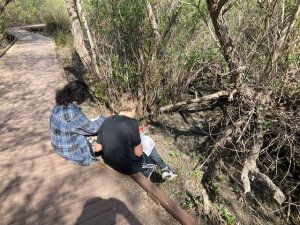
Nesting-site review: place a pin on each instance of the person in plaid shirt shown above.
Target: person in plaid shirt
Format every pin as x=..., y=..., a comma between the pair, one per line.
x=70, y=128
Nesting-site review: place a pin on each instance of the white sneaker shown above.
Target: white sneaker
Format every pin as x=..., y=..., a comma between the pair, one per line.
x=167, y=174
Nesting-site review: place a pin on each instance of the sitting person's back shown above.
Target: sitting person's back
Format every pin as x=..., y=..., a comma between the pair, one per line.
x=69, y=127
x=119, y=136
x=119, y=139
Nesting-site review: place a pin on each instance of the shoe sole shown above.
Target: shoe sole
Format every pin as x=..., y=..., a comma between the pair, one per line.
x=170, y=177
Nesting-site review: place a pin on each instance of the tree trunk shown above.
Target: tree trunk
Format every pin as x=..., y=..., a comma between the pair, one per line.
x=227, y=45
x=154, y=26
x=78, y=37
x=87, y=30
x=3, y=3
x=255, y=98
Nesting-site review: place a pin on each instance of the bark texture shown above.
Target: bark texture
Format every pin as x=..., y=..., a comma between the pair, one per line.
x=3, y=3
x=78, y=36
x=255, y=98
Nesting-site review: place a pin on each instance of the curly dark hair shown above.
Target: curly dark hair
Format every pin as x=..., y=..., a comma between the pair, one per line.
x=74, y=91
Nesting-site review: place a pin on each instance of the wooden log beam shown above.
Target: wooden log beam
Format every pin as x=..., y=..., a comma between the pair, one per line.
x=159, y=196
x=214, y=96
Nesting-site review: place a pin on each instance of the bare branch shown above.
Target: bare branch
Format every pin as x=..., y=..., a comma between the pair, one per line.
x=152, y=20
x=227, y=44
x=250, y=163
x=3, y=3
x=219, y=5
x=281, y=42
x=87, y=30
x=79, y=44
x=196, y=100
x=172, y=20
x=155, y=29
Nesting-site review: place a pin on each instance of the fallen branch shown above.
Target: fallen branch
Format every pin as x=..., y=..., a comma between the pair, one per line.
x=196, y=100
x=2, y=52
x=209, y=208
x=277, y=193
x=250, y=163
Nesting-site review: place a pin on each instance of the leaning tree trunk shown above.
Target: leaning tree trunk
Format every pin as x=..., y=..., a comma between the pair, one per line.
x=91, y=42
x=3, y=3
x=256, y=99
x=79, y=44
x=149, y=60
x=228, y=48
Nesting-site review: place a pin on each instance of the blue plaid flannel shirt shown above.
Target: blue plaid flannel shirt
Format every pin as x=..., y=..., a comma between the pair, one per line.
x=69, y=128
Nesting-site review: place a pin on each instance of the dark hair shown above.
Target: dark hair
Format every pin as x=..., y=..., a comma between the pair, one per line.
x=73, y=91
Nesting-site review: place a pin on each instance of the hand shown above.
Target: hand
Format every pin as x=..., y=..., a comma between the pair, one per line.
x=144, y=129
x=97, y=147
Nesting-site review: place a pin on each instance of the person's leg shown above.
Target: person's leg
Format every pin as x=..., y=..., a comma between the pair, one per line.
x=148, y=166
x=157, y=159
x=166, y=172
x=150, y=153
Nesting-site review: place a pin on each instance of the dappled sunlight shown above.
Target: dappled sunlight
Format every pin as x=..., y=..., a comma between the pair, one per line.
x=37, y=186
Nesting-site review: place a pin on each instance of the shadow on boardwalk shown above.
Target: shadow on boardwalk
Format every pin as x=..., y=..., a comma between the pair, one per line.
x=94, y=212
x=36, y=185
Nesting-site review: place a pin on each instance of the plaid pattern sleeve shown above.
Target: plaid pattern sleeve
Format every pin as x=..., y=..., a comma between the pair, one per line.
x=69, y=128
x=84, y=126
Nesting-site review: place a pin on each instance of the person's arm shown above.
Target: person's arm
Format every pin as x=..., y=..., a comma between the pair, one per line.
x=138, y=150
x=84, y=126
x=135, y=138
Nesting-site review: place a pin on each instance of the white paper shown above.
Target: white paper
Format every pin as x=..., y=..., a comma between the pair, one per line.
x=148, y=144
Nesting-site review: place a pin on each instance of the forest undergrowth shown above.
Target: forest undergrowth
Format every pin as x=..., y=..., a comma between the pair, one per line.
x=239, y=59
x=219, y=82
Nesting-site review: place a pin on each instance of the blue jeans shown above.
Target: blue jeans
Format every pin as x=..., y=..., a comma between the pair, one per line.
x=150, y=162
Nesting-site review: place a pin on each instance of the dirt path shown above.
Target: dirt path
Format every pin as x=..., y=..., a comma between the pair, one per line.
x=37, y=186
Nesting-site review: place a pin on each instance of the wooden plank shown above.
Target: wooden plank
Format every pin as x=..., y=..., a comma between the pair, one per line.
x=33, y=27
x=146, y=216
x=171, y=206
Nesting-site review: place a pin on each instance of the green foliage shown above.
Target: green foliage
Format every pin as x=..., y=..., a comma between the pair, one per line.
x=63, y=38
x=2, y=26
x=174, y=154
x=212, y=186
x=100, y=94
x=22, y=12
x=199, y=55
x=230, y=219
x=191, y=201
x=118, y=20
x=270, y=124
x=52, y=12
x=196, y=174
x=123, y=74
x=124, y=26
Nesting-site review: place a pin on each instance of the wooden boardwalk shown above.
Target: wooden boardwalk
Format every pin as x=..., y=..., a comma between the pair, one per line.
x=37, y=186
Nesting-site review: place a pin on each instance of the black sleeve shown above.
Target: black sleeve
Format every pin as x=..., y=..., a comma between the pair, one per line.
x=99, y=136
x=134, y=133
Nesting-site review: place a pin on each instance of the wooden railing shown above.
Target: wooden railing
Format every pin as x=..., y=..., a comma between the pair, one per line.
x=160, y=197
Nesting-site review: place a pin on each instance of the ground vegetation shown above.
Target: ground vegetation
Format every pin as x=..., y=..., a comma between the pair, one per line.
x=220, y=77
